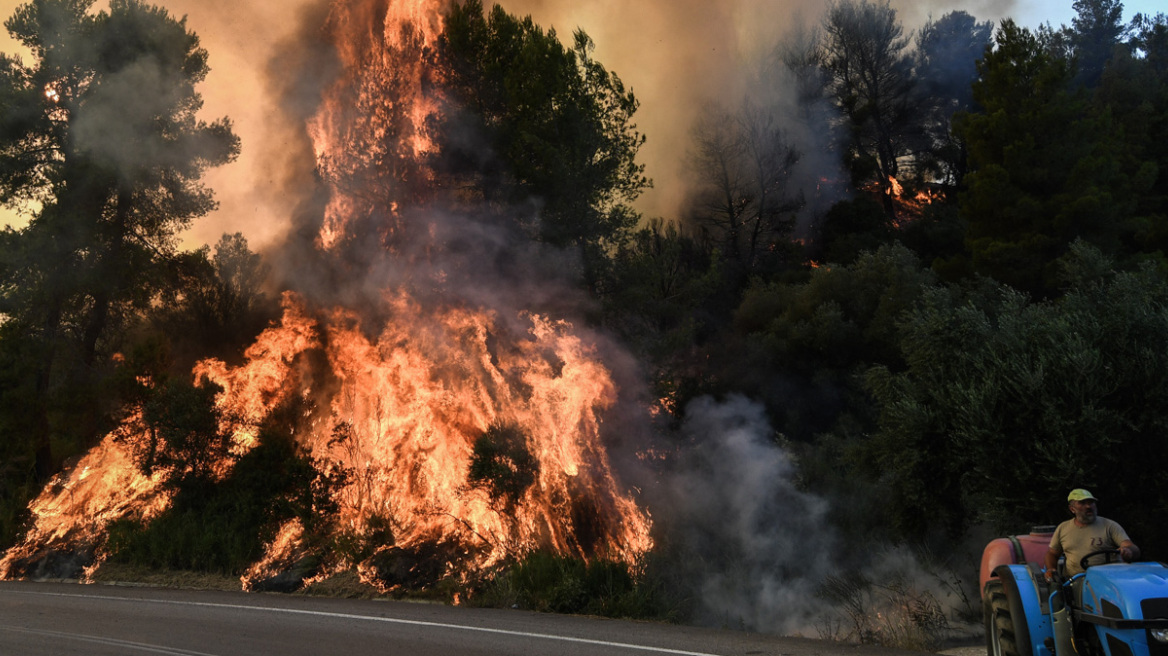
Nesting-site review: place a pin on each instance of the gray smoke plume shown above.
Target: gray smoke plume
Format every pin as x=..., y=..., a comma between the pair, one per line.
x=761, y=552
x=678, y=56
x=764, y=544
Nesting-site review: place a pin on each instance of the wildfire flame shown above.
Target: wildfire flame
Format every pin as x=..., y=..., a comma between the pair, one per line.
x=401, y=391
x=895, y=189
x=372, y=124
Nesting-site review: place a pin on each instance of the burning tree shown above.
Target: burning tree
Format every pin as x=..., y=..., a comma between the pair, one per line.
x=413, y=330
x=100, y=132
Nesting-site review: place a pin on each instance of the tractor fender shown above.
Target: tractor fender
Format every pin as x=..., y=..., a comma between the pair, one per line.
x=1032, y=624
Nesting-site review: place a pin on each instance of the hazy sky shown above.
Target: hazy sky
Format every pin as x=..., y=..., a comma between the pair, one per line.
x=671, y=53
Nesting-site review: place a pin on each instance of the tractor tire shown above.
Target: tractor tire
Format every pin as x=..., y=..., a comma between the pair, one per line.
x=1001, y=634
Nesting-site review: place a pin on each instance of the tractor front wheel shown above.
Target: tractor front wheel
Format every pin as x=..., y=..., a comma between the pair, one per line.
x=1001, y=636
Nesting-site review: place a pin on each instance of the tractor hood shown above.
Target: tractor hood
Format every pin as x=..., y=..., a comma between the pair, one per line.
x=1120, y=590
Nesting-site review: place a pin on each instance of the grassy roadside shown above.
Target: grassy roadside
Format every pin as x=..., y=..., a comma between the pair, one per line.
x=345, y=585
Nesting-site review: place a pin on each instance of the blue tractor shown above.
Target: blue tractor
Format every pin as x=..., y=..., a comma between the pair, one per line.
x=1111, y=609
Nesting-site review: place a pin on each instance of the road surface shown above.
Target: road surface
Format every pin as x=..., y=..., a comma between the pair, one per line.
x=103, y=620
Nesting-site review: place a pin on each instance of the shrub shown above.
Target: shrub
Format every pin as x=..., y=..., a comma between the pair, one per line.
x=553, y=583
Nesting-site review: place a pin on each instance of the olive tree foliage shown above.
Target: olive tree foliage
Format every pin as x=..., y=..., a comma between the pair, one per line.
x=865, y=52
x=1006, y=403
x=100, y=130
x=811, y=340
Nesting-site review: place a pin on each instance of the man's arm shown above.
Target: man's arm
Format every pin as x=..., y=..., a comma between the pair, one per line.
x=1052, y=556
x=1128, y=550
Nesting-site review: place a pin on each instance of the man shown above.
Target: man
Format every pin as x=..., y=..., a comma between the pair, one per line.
x=1084, y=533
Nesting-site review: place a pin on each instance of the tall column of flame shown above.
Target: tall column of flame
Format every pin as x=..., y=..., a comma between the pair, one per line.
x=416, y=396
x=411, y=393
x=370, y=132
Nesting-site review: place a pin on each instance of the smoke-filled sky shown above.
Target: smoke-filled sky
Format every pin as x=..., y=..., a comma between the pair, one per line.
x=674, y=54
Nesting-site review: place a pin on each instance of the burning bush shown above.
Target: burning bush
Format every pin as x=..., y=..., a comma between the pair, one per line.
x=183, y=435
x=502, y=464
x=223, y=526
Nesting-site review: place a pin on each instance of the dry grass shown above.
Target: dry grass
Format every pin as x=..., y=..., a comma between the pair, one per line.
x=345, y=585
x=891, y=615
x=116, y=573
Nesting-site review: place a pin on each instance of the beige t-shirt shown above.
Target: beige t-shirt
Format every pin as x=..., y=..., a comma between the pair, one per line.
x=1077, y=541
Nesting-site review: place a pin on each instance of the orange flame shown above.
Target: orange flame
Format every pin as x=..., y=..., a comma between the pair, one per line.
x=373, y=122
x=895, y=189
x=398, y=403
x=414, y=399
x=76, y=506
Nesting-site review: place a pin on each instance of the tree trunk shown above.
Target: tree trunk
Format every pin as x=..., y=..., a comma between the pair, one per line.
x=42, y=434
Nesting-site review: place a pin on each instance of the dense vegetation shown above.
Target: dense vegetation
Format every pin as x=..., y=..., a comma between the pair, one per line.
x=976, y=322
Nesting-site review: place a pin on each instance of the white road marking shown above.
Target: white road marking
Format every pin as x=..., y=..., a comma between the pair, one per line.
x=371, y=618
x=112, y=642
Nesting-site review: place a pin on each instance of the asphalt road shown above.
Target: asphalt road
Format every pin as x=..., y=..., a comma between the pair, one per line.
x=101, y=620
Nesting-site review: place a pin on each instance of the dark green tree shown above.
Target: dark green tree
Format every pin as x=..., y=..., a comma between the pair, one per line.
x=1095, y=33
x=851, y=228
x=865, y=53
x=18, y=475
x=945, y=65
x=1052, y=162
x=100, y=129
x=215, y=303
x=184, y=439
x=1024, y=180
x=557, y=128
x=1133, y=90
x=502, y=464
x=1007, y=403
x=664, y=284
x=807, y=342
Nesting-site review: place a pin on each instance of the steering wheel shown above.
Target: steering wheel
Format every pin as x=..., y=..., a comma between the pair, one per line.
x=1101, y=552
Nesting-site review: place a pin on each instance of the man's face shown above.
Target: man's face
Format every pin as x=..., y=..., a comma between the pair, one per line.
x=1084, y=511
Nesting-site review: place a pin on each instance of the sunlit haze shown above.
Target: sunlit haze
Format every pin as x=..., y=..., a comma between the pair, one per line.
x=675, y=56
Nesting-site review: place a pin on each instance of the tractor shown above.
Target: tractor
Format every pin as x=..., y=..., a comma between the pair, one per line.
x=1111, y=609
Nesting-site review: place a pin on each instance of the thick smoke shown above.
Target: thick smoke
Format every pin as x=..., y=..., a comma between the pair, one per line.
x=680, y=56
x=676, y=57
x=764, y=544
x=441, y=246
x=762, y=554
x=257, y=193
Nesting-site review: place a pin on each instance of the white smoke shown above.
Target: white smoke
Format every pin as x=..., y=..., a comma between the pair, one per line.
x=764, y=554
x=765, y=543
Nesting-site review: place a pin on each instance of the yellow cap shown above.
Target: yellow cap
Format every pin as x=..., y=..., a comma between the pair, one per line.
x=1079, y=494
